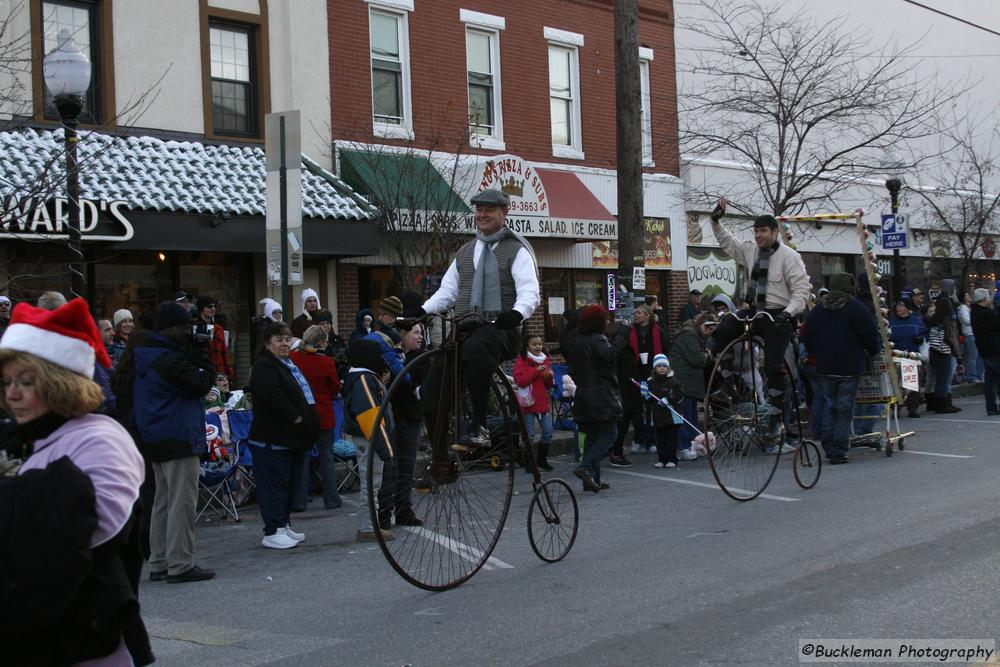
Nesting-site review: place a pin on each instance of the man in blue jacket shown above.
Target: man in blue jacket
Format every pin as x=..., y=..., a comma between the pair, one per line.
x=840, y=332
x=172, y=374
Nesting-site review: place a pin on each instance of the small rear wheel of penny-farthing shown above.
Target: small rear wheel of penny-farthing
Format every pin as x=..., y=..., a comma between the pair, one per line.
x=553, y=519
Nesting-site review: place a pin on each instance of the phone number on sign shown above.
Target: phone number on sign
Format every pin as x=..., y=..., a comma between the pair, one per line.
x=527, y=207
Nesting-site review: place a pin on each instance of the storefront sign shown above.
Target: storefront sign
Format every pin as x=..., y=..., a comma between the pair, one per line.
x=422, y=221
x=712, y=272
x=29, y=218
x=515, y=177
x=612, y=294
x=656, y=248
x=656, y=242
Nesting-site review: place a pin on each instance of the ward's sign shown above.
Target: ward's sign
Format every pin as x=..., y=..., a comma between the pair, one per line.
x=31, y=218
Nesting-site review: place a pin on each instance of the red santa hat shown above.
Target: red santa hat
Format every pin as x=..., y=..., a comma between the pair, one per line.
x=66, y=336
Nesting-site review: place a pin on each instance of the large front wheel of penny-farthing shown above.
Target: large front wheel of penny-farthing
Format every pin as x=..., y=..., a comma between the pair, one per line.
x=745, y=452
x=459, y=499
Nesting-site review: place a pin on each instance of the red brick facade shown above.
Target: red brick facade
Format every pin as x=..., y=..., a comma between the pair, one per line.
x=439, y=86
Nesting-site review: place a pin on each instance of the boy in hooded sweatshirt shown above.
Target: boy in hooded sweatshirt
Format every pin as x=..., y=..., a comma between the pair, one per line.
x=668, y=394
x=310, y=306
x=363, y=392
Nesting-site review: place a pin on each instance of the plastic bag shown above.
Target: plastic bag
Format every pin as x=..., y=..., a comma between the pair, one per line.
x=524, y=397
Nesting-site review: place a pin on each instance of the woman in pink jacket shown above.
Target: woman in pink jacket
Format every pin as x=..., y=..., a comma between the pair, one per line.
x=533, y=377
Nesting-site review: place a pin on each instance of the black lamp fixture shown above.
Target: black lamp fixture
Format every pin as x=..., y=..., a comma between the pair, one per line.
x=67, y=76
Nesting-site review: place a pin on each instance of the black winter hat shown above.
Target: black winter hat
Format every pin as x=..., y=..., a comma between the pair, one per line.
x=203, y=302
x=365, y=353
x=171, y=313
x=765, y=221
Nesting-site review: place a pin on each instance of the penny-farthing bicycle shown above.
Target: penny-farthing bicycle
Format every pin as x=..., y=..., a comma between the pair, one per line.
x=461, y=495
x=738, y=413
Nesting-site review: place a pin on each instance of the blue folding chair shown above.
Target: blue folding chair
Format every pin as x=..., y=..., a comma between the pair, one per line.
x=562, y=407
x=344, y=451
x=216, y=479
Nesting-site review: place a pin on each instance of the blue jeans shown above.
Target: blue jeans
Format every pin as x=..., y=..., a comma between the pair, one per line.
x=545, y=418
x=841, y=392
x=301, y=481
x=599, y=438
x=971, y=360
x=944, y=368
x=992, y=381
x=865, y=426
x=685, y=434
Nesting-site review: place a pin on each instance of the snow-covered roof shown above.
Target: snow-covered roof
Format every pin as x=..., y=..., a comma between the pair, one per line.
x=153, y=174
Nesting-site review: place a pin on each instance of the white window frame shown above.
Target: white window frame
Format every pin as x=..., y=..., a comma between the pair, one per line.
x=490, y=25
x=645, y=60
x=572, y=42
x=400, y=10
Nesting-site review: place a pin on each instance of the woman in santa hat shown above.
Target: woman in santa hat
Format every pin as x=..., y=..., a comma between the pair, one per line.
x=70, y=560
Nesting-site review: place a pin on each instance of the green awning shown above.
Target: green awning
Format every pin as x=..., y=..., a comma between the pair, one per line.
x=403, y=182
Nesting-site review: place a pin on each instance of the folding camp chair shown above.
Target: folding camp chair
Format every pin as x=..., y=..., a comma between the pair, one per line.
x=344, y=451
x=239, y=432
x=216, y=478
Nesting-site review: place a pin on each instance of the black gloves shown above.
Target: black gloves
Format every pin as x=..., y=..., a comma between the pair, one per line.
x=719, y=211
x=508, y=319
x=784, y=320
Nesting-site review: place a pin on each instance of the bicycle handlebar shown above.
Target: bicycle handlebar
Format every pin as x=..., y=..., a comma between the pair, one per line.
x=751, y=319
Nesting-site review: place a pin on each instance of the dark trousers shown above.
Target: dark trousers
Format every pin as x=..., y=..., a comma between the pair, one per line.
x=633, y=419
x=272, y=470
x=841, y=392
x=776, y=340
x=992, y=381
x=685, y=433
x=397, y=477
x=599, y=438
x=666, y=443
x=482, y=350
x=301, y=481
x=944, y=368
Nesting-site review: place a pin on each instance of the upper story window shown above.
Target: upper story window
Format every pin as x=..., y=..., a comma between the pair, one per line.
x=390, y=74
x=564, y=93
x=482, y=58
x=234, y=97
x=81, y=20
x=645, y=57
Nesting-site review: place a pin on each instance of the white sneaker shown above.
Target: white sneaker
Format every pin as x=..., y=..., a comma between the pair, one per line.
x=652, y=449
x=659, y=464
x=287, y=530
x=687, y=455
x=636, y=448
x=670, y=464
x=788, y=449
x=279, y=540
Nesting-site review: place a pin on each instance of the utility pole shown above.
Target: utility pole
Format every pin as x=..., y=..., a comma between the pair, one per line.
x=628, y=132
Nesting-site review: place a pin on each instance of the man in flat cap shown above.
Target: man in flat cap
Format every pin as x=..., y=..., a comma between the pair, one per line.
x=778, y=284
x=495, y=275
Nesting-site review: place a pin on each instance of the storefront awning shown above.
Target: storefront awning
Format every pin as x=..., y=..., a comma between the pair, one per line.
x=401, y=181
x=570, y=199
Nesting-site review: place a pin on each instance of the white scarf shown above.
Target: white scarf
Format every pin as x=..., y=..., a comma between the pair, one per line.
x=537, y=359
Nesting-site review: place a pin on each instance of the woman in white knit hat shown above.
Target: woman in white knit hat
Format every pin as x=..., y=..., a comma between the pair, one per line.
x=124, y=326
x=68, y=555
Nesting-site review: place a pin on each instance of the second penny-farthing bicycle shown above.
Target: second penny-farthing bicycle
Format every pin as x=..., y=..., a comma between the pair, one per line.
x=739, y=415
x=462, y=495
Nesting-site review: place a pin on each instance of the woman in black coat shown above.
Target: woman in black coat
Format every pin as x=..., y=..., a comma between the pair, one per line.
x=597, y=405
x=285, y=426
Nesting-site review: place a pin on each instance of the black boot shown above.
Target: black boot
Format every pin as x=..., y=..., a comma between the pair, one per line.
x=405, y=516
x=942, y=405
x=931, y=403
x=951, y=406
x=542, y=457
x=384, y=519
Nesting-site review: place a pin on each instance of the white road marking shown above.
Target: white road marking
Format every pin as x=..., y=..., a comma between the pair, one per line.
x=967, y=421
x=949, y=456
x=470, y=554
x=701, y=484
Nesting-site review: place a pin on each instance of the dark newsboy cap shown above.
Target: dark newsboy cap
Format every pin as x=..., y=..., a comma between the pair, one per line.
x=491, y=197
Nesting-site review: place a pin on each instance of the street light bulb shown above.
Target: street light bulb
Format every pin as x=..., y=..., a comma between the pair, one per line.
x=67, y=69
x=892, y=165
x=161, y=256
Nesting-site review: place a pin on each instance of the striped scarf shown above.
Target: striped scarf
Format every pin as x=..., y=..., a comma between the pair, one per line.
x=757, y=293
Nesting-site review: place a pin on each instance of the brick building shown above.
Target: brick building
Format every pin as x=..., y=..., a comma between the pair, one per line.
x=465, y=94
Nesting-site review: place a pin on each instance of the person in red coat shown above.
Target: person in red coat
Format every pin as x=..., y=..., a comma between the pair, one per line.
x=321, y=374
x=217, y=350
x=533, y=377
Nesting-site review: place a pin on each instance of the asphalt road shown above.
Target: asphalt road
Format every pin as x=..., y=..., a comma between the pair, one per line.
x=663, y=573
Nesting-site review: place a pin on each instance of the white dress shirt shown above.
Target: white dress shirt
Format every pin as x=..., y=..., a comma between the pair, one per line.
x=522, y=270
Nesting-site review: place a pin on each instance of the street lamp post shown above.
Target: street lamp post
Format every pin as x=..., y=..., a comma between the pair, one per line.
x=67, y=76
x=894, y=183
